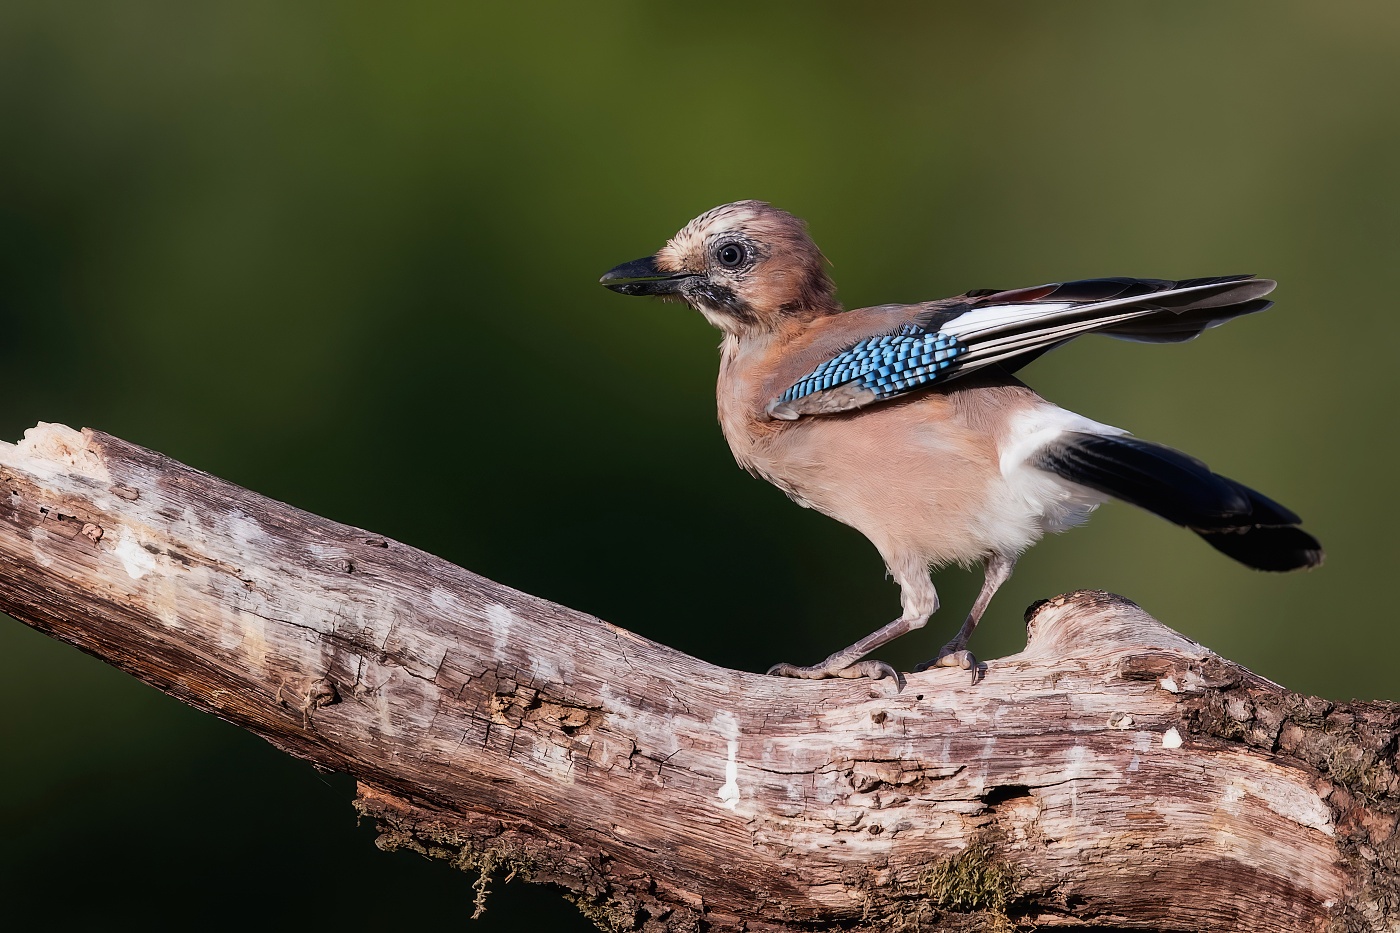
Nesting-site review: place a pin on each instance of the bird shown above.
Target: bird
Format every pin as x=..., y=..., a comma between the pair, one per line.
x=907, y=421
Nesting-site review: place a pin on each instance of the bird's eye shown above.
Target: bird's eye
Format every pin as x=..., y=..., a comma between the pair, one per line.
x=730, y=255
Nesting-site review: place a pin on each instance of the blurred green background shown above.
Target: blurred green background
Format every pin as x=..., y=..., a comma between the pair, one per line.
x=346, y=255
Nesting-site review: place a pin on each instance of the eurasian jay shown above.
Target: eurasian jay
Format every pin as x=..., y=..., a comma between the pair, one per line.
x=907, y=423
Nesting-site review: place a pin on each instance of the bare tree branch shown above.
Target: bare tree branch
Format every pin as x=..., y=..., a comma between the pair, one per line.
x=1113, y=774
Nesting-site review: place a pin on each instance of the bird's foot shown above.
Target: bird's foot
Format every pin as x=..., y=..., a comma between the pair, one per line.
x=956, y=657
x=875, y=670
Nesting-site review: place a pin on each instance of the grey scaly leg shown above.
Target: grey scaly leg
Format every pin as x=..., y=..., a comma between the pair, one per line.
x=919, y=599
x=955, y=654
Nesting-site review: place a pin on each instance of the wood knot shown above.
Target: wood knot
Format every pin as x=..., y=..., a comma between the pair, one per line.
x=320, y=694
x=1175, y=673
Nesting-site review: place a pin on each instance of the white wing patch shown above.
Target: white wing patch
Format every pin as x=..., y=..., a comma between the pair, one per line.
x=969, y=326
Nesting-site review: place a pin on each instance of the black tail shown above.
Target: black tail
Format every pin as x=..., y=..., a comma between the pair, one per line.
x=1233, y=519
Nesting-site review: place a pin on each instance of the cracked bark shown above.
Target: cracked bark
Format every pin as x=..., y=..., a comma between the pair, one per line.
x=1113, y=775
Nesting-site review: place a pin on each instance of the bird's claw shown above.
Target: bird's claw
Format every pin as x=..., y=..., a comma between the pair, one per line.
x=875, y=670
x=957, y=658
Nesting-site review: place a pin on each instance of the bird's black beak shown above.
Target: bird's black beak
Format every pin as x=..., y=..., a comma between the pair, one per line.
x=641, y=277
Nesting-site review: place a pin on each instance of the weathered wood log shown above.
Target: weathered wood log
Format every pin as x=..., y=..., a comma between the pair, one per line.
x=1114, y=774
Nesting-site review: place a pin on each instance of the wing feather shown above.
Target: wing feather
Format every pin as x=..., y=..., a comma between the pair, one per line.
x=1011, y=328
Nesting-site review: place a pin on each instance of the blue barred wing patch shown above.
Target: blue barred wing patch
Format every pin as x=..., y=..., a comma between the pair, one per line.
x=888, y=365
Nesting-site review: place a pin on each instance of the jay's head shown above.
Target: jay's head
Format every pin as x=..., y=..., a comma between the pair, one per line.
x=747, y=266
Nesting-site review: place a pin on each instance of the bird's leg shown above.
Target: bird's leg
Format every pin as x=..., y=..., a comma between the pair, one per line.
x=919, y=600
x=955, y=654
